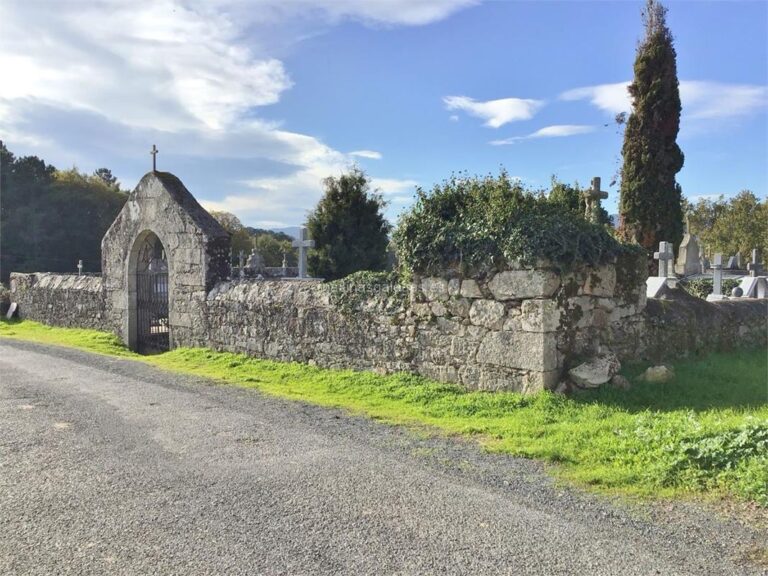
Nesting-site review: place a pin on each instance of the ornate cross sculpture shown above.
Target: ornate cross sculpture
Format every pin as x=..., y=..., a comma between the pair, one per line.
x=592, y=199
x=154, y=152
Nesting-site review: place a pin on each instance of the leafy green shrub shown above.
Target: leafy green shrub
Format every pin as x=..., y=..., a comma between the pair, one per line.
x=483, y=223
x=702, y=287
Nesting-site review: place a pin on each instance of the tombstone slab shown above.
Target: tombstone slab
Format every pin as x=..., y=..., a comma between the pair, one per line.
x=688, y=262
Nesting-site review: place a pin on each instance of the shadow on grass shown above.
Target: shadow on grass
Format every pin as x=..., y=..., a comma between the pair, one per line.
x=726, y=380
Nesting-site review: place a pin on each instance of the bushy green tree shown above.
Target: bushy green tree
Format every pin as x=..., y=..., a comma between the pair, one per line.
x=50, y=219
x=477, y=224
x=650, y=206
x=571, y=197
x=240, y=239
x=272, y=250
x=738, y=224
x=348, y=227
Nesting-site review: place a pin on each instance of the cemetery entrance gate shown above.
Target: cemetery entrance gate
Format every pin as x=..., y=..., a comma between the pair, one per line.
x=152, y=327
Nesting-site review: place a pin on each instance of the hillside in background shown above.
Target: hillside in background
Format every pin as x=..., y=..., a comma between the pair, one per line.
x=50, y=218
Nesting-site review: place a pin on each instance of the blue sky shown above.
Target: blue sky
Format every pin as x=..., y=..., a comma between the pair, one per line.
x=252, y=103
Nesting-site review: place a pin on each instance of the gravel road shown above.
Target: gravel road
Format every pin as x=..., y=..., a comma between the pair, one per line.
x=109, y=466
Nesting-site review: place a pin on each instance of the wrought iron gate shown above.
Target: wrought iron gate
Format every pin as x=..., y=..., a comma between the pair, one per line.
x=152, y=311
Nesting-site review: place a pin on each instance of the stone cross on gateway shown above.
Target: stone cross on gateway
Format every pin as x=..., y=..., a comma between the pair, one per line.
x=664, y=256
x=592, y=198
x=302, y=244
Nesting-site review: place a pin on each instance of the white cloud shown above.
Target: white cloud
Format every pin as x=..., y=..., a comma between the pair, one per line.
x=106, y=79
x=370, y=154
x=371, y=12
x=555, y=131
x=700, y=99
x=496, y=113
x=612, y=98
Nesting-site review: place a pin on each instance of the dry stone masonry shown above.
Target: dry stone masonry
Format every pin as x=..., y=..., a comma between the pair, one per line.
x=522, y=328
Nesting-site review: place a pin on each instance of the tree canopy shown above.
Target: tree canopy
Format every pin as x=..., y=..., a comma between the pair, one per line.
x=738, y=224
x=348, y=227
x=650, y=207
x=49, y=218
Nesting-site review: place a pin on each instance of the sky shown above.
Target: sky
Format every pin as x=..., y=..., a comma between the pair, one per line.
x=253, y=103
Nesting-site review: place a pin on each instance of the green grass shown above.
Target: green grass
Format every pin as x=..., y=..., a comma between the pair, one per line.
x=704, y=433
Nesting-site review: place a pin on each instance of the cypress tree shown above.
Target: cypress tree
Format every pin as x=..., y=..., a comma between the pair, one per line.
x=650, y=207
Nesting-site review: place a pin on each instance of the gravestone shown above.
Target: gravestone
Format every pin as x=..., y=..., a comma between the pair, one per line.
x=592, y=197
x=717, y=279
x=664, y=256
x=255, y=261
x=688, y=262
x=303, y=243
x=655, y=284
x=754, y=267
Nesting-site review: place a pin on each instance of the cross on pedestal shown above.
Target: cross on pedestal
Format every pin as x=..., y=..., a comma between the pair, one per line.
x=285, y=263
x=154, y=152
x=717, y=275
x=754, y=267
x=79, y=267
x=302, y=244
x=592, y=197
x=242, y=263
x=664, y=256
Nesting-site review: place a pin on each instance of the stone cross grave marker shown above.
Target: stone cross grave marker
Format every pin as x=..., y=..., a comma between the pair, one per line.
x=241, y=260
x=285, y=263
x=592, y=198
x=754, y=267
x=664, y=256
x=79, y=267
x=717, y=278
x=154, y=152
x=303, y=243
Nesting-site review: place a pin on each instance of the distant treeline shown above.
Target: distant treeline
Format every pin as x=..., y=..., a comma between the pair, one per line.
x=50, y=218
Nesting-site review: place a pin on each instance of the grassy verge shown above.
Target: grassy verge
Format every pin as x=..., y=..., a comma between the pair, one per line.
x=706, y=432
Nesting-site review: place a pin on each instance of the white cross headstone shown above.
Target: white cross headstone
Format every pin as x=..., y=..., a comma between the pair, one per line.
x=664, y=256
x=754, y=267
x=302, y=244
x=717, y=278
x=285, y=264
x=592, y=197
x=79, y=267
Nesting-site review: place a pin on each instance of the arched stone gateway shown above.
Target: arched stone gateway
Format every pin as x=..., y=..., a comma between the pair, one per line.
x=148, y=292
x=160, y=257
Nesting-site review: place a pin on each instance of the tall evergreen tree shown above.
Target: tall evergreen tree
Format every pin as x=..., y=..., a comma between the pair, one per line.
x=348, y=227
x=650, y=207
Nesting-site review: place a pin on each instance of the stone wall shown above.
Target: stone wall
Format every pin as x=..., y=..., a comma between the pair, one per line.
x=518, y=329
x=61, y=300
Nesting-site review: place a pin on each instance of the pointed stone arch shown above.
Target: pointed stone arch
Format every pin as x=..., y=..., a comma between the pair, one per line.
x=196, y=250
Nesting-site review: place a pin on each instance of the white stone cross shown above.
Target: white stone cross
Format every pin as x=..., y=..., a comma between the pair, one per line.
x=717, y=276
x=754, y=267
x=665, y=257
x=302, y=244
x=79, y=267
x=592, y=197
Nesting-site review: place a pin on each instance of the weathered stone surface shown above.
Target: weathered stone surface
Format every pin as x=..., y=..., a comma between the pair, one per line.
x=518, y=284
x=522, y=350
x=596, y=371
x=619, y=382
x=540, y=316
x=601, y=282
x=488, y=313
x=434, y=289
x=658, y=374
x=470, y=289
x=454, y=287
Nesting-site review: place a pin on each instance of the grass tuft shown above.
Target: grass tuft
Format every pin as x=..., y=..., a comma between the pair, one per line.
x=706, y=432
